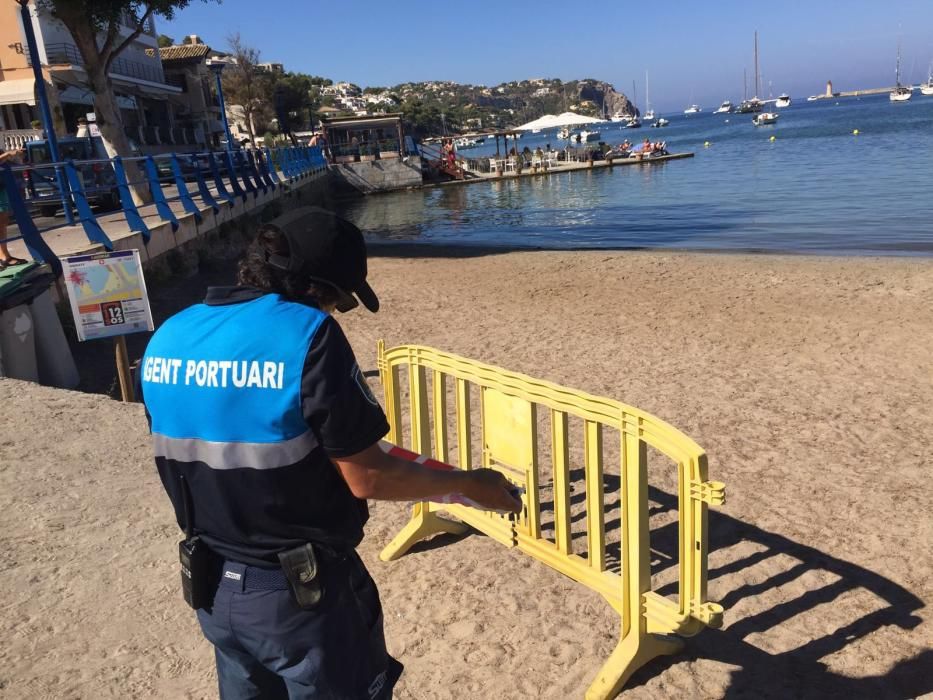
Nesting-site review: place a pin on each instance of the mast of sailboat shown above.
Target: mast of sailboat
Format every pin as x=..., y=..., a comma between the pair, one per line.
x=897, y=70
x=757, y=76
x=635, y=97
x=745, y=84
x=647, y=102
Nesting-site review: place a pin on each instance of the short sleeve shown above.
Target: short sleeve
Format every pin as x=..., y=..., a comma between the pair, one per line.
x=336, y=400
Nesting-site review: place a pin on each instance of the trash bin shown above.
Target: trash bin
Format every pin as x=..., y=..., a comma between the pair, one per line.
x=53, y=354
x=17, y=336
x=33, y=346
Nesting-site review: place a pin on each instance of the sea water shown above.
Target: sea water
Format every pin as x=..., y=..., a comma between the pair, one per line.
x=816, y=187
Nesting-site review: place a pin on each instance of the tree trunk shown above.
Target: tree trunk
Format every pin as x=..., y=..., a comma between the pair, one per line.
x=107, y=113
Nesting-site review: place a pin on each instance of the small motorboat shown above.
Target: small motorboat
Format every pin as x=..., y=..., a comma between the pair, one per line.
x=724, y=108
x=633, y=123
x=783, y=100
x=659, y=122
x=692, y=109
x=765, y=118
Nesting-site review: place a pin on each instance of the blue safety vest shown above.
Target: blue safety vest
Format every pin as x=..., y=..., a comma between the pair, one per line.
x=222, y=386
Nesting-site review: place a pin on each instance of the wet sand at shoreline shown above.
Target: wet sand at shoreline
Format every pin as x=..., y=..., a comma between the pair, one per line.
x=807, y=380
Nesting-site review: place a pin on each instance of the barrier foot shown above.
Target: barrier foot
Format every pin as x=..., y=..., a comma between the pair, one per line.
x=424, y=523
x=629, y=655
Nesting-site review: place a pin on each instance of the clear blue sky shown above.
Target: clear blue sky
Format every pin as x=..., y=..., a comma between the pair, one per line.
x=693, y=51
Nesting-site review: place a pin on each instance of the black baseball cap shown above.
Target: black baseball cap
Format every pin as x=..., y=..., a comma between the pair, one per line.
x=328, y=249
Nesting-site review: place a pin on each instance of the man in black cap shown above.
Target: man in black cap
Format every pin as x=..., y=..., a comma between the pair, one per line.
x=266, y=440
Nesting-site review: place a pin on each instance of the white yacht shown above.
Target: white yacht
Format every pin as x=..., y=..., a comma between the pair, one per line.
x=585, y=136
x=692, y=109
x=619, y=117
x=927, y=87
x=649, y=115
x=783, y=100
x=900, y=93
x=724, y=108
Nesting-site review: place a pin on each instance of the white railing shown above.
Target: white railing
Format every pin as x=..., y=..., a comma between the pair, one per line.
x=13, y=139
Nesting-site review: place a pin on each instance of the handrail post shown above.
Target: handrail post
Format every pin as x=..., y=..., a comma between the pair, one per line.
x=270, y=166
x=183, y=194
x=158, y=196
x=130, y=212
x=92, y=229
x=219, y=180
x=203, y=189
x=234, y=183
x=35, y=244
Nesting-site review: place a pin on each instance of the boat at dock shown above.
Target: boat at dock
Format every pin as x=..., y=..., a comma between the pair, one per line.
x=724, y=108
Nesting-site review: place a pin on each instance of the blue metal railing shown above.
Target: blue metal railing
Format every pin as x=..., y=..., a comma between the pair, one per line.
x=196, y=181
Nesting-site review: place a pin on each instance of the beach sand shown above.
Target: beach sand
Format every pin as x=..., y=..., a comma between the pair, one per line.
x=807, y=380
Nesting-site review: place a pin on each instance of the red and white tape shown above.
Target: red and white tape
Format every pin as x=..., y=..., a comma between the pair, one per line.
x=432, y=463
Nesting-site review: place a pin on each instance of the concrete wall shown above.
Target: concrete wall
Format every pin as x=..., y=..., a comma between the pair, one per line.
x=379, y=175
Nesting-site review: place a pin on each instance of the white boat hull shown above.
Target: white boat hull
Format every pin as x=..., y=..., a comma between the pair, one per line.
x=926, y=90
x=900, y=96
x=765, y=118
x=782, y=102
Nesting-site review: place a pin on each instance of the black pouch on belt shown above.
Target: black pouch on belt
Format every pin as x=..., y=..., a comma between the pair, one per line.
x=200, y=567
x=304, y=576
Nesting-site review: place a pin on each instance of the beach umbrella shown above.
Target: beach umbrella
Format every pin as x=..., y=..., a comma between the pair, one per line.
x=551, y=121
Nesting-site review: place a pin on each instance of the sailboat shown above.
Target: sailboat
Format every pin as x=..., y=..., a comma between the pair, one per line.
x=754, y=104
x=927, y=87
x=633, y=122
x=900, y=93
x=649, y=113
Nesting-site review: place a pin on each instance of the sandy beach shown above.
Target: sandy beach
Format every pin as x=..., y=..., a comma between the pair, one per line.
x=808, y=381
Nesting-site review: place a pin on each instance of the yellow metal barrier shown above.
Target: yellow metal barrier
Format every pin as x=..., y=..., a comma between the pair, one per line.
x=511, y=405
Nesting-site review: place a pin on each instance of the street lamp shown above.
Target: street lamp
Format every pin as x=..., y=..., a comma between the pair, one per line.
x=218, y=67
x=44, y=110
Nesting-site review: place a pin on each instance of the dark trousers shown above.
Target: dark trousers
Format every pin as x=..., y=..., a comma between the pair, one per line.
x=268, y=648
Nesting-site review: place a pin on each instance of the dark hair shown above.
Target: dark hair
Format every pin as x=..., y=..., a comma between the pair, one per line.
x=254, y=270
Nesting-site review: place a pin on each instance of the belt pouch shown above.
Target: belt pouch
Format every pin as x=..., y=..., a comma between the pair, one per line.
x=199, y=574
x=304, y=576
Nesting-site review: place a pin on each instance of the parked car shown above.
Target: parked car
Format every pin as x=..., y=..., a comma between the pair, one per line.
x=98, y=179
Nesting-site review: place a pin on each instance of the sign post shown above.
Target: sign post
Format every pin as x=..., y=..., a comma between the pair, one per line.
x=107, y=293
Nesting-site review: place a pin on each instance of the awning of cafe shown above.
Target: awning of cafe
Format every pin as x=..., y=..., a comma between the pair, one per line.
x=14, y=92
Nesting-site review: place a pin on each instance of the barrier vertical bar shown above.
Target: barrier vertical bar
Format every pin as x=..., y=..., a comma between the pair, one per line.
x=464, y=438
x=234, y=184
x=130, y=212
x=270, y=166
x=183, y=194
x=420, y=422
x=439, y=386
x=532, y=482
x=158, y=196
x=595, y=518
x=203, y=189
x=219, y=180
x=35, y=244
x=560, y=454
x=92, y=229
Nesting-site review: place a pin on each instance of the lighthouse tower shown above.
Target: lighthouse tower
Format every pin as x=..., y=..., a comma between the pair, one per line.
x=829, y=88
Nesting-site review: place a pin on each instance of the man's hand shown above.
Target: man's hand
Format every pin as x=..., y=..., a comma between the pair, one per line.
x=492, y=490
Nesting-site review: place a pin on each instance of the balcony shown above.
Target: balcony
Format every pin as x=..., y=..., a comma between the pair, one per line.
x=68, y=53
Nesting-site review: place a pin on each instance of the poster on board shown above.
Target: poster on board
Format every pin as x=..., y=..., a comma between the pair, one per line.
x=107, y=293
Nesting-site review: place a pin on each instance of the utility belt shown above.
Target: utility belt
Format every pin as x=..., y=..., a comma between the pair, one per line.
x=301, y=572
x=202, y=569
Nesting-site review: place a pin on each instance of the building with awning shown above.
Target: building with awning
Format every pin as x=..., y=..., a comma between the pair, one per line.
x=355, y=139
x=143, y=96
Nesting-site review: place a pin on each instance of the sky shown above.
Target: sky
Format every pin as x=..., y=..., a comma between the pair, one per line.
x=693, y=52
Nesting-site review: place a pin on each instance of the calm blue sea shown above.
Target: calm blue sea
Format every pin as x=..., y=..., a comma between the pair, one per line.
x=816, y=188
